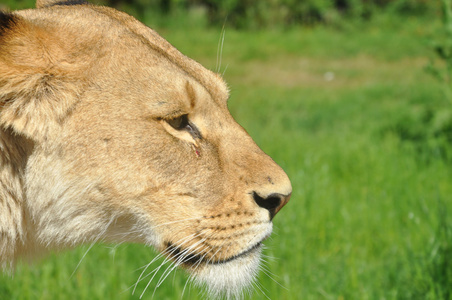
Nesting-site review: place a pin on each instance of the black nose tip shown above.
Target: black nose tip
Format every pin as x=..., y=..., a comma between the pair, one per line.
x=273, y=202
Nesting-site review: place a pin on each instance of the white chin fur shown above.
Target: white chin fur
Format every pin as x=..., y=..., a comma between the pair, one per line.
x=231, y=279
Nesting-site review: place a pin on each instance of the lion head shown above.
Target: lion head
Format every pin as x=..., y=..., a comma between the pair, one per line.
x=108, y=133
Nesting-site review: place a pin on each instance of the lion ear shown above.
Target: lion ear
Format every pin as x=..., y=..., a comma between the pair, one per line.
x=47, y=3
x=37, y=90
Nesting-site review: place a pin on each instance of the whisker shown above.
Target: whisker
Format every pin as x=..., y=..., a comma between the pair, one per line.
x=213, y=256
x=260, y=287
x=155, y=273
x=227, y=249
x=220, y=49
x=122, y=234
x=178, y=262
x=140, y=278
x=210, y=250
x=201, y=259
x=224, y=72
x=222, y=46
x=165, y=252
x=189, y=280
x=270, y=258
x=270, y=275
x=100, y=234
x=180, y=257
x=160, y=280
x=168, y=259
x=80, y=261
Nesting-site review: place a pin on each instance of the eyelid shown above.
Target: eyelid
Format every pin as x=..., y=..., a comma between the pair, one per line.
x=174, y=115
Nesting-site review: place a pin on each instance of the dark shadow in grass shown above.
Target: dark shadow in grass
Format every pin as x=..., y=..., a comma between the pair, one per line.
x=428, y=132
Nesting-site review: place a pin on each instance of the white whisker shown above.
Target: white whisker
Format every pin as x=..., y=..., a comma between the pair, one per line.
x=181, y=257
x=260, y=287
x=270, y=275
x=220, y=50
x=140, y=278
x=189, y=280
x=165, y=252
x=99, y=235
x=155, y=271
x=176, y=247
x=270, y=258
x=224, y=72
x=80, y=261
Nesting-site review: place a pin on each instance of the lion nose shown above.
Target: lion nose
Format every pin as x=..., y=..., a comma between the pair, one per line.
x=273, y=202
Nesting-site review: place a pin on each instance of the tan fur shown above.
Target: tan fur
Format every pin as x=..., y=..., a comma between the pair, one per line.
x=88, y=153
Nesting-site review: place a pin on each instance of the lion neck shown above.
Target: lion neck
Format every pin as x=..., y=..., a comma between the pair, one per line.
x=13, y=157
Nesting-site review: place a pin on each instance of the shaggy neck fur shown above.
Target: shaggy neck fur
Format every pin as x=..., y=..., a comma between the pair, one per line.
x=13, y=153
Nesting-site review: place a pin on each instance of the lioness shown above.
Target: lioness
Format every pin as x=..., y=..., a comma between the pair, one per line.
x=108, y=133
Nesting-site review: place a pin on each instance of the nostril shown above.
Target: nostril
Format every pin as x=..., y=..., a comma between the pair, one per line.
x=273, y=202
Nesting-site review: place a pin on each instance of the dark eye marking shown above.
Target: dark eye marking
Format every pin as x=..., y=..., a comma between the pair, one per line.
x=182, y=123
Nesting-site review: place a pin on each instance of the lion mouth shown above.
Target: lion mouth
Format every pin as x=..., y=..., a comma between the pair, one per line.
x=190, y=259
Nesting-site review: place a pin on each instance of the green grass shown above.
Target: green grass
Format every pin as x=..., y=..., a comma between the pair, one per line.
x=371, y=213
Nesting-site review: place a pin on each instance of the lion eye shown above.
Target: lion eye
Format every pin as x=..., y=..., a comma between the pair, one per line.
x=179, y=123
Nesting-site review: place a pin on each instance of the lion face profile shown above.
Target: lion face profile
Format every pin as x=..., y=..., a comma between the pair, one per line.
x=108, y=133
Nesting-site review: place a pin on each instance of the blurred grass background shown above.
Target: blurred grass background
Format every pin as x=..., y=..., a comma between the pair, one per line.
x=353, y=99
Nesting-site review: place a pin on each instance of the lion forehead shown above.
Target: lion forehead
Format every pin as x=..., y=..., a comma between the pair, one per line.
x=84, y=34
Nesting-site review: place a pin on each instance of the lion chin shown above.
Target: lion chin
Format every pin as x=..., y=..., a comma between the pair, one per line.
x=227, y=277
x=109, y=133
x=230, y=278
